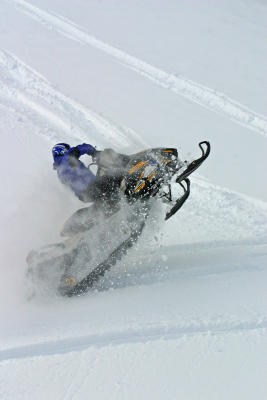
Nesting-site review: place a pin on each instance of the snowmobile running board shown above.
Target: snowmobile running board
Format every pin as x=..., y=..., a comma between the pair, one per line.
x=86, y=283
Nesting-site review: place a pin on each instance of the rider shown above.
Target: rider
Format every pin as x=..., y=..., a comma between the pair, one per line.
x=73, y=173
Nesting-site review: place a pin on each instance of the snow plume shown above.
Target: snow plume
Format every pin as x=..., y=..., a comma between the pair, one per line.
x=32, y=200
x=90, y=237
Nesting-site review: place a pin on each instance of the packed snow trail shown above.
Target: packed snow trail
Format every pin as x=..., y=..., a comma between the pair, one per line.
x=209, y=98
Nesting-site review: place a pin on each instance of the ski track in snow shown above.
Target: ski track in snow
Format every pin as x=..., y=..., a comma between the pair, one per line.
x=204, y=96
x=68, y=117
x=77, y=344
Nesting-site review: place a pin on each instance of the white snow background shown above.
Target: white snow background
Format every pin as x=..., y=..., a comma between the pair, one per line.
x=184, y=315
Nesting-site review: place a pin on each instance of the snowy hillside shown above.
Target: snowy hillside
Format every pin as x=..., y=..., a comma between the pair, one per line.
x=183, y=316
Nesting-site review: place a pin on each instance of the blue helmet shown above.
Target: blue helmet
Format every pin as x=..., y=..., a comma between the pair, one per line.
x=60, y=149
x=58, y=152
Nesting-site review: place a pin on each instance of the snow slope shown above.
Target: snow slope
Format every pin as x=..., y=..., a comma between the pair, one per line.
x=184, y=314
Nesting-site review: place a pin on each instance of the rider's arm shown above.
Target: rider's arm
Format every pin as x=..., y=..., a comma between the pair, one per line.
x=75, y=152
x=82, y=149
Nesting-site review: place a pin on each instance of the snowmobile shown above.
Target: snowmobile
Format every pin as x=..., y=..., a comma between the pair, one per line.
x=96, y=237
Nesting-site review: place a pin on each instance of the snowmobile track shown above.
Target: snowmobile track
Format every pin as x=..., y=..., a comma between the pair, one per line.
x=85, y=284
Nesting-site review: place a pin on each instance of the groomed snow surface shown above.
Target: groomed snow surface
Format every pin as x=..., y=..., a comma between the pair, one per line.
x=183, y=316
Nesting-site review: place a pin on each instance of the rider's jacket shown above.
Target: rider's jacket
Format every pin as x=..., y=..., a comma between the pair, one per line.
x=72, y=172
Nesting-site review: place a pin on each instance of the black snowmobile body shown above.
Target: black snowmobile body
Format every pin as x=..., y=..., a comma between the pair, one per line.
x=107, y=226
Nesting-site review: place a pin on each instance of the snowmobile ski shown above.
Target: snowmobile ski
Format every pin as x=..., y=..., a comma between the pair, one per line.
x=179, y=203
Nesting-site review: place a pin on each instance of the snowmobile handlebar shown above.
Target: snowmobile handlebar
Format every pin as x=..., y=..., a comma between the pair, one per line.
x=179, y=203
